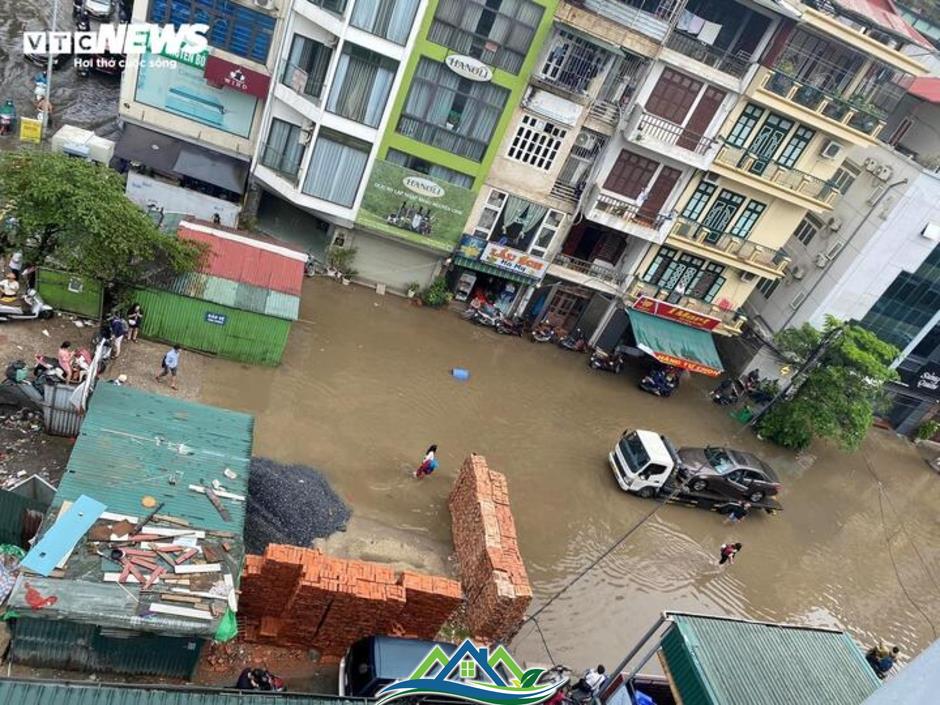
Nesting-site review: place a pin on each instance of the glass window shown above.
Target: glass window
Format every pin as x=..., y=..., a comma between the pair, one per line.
x=497, y=32
x=306, y=66
x=745, y=125
x=392, y=19
x=659, y=263
x=635, y=452
x=573, y=62
x=335, y=6
x=536, y=142
x=767, y=287
x=630, y=174
x=807, y=229
x=693, y=209
x=707, y=282
x=234, y=28
x=547, y=232
x=361, y=85
x=336, y=167
x=425, y=167
x=685, y=274
x=845, y=176
x=745, y=223
x=721, y=213
x=283, y=149
x=451, y=113
x=516, y=222
x=802, y=136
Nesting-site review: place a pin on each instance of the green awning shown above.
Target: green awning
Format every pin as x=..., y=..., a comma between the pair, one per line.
x=479, y=266
x=675, y=344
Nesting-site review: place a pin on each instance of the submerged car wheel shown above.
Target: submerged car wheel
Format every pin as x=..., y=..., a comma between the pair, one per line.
x=756, y=496
x=699, y=486
x=647, y=493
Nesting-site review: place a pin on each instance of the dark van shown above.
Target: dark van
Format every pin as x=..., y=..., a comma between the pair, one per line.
x=375, y=661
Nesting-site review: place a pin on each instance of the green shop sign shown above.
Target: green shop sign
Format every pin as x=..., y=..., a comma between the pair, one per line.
x=415, y=207
x=193, y=59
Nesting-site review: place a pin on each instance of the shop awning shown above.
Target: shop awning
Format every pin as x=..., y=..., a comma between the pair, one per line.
x=147, y=147
x=675, y=344
x=485, y=268
x=213, y=168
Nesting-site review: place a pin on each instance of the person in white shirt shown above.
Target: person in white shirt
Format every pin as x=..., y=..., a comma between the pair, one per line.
x=171, y=361
x=9, y=287
x=591, y=682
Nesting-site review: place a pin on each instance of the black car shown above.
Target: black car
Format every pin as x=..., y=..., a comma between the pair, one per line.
x=733, y=473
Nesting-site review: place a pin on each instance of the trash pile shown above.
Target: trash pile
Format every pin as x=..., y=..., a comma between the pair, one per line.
x=24, y=449
x=290, y=505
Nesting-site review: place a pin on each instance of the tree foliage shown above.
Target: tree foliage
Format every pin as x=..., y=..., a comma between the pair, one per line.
x=838, y=396
x=73, y=214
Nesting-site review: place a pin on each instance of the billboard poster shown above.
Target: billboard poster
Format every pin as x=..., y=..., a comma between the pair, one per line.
x=413, y=206
x=183, y=90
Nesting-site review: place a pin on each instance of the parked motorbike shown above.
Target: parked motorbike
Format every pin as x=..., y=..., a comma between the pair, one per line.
x=543, y=333
x=574, y=341
x=47, y=371
x=16, y=388
x=312, y=266
x=662, y=382
x=509, y=326
x=27, y=308
x=608, y=362
x=487, y=316
x=726, y=393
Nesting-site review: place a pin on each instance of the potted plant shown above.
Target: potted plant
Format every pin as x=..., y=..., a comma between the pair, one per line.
x=339, y=262
x=927, y=430
x=865, y=118
x=436, y=295
x=781, y=80
x=836, y=109
x=412, y=289
x=808, y=96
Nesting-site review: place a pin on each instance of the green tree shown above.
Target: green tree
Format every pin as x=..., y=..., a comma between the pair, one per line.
x=73, y=214
x=838, y=392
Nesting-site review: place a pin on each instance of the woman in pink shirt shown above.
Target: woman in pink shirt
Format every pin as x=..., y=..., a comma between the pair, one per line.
x=65, y=357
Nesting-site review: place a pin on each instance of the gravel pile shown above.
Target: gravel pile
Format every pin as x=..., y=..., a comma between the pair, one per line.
x=290, y=504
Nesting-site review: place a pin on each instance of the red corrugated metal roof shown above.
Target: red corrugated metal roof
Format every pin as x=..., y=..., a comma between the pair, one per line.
x=886, y=15
x=926, y=88
x=242, y=260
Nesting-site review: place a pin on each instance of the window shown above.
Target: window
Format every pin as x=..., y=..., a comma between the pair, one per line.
x=306, y=66
x=721, y=214
x=807, y=229
x=392, y=19
x=845, y=176
x=767, y=287
x=468, y=669
x=451, y=113
x=745, y=223
x=673, y=95
x=361, y=85
x=693, y=209
x=745, y=125
x=573, y=62
x=685, y=274
x=516, y=222
x=497, y=32
x=574, y=172
x=233, y=28
x=335, y=6
x=283, y=149
x=336, y=167
x=630, y=174
x=536, y=142
x=425, y=167
x=796, y=146
x=708, y=282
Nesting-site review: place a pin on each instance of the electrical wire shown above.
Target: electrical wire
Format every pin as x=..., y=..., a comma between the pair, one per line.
x=548, y=651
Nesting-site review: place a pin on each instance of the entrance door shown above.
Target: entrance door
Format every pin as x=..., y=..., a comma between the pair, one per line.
x=768, y=140
x=701, y=118
x=672, y=96
x=564, y=309
x=720, y=214
x=659, y=192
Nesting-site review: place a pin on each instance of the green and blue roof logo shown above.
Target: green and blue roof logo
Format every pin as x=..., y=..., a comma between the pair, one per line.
x=475, y=675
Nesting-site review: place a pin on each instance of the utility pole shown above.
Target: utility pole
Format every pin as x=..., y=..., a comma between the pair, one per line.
x=48, y=98
x=808, y=366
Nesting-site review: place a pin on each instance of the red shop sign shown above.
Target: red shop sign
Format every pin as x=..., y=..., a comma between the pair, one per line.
x=676, y=313
x=220, y=72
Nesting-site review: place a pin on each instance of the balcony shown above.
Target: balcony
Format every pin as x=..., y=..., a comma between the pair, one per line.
x=729, y=249
x=844, y=118
x=605, y=112
x=731, y=317
x=616, y=212
x=791, y=185
x=634, y=14
x=727, y=62
x=597, y=275
x=669, y=139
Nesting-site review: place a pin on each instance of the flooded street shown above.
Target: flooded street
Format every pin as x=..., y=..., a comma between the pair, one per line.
x=365, y=388
x=90, y=103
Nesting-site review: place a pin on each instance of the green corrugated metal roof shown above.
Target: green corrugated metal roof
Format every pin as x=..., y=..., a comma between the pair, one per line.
x=131, y=444
x=479, y=266
x=237, y=295
x=665, y=339
x=750, y=663
x=23, y=692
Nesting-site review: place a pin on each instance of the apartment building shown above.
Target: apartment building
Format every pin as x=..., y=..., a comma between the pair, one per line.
x=875, y=258
x=191, y=121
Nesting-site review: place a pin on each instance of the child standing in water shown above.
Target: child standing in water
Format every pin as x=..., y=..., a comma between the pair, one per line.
x=429, y=464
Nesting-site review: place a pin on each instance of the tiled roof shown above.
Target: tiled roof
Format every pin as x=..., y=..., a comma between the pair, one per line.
x=884, y=14
x=926, y=88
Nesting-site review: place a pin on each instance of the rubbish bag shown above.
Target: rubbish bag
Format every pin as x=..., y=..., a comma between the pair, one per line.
x=641, y=698
x=228, y=627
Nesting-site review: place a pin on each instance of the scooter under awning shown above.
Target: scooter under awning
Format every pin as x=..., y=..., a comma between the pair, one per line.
x=675, y=344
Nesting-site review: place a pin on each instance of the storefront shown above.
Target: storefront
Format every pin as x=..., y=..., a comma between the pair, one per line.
x=670, y=334
x=567, y=307
x=914, y=399
x=502, y=275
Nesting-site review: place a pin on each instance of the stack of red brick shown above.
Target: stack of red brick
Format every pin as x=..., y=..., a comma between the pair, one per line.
x=301, y=597
x=491, y=568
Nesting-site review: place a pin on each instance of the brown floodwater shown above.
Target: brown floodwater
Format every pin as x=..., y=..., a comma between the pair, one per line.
x=365, y=387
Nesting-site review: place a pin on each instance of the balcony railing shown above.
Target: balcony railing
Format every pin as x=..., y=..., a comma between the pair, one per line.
x=726, y=62
x=731, y=317
x=799, y=182
x=605, y=111
x=826, y=104
x=663, y=130
x=298, y=79
x=567, y=192
x=595, y=270
x=629, y=211
x=737, y=247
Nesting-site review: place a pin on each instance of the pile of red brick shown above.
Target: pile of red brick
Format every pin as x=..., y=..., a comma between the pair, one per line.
x=491, y=568
x=301, y=597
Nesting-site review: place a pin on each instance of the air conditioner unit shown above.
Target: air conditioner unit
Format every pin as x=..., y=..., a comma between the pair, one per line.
x=883, y=173
x=797, y=272
x=870, y=164
x=585, y=140
x=710, y=176
x=834, y=224
x=822, y=260
x=831, y=150
x=747, y=276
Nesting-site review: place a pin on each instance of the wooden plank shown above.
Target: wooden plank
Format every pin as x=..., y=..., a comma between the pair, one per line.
x=111, y=516
x=198, y=568
x=190, y=599
x=161, y=608
x=171, y=520
x=221, y=493
x=61, y=538
x=170, y=579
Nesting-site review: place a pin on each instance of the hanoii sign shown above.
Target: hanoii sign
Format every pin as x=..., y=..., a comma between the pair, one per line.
x=475, y=675
x=414, y=206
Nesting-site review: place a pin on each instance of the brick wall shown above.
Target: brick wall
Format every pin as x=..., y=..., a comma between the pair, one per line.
x=301, y=597
x=491, y=569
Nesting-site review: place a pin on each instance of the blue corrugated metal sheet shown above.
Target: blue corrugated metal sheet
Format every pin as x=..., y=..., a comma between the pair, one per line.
x=23, y=692
x=244, y=297
x=716, y=661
